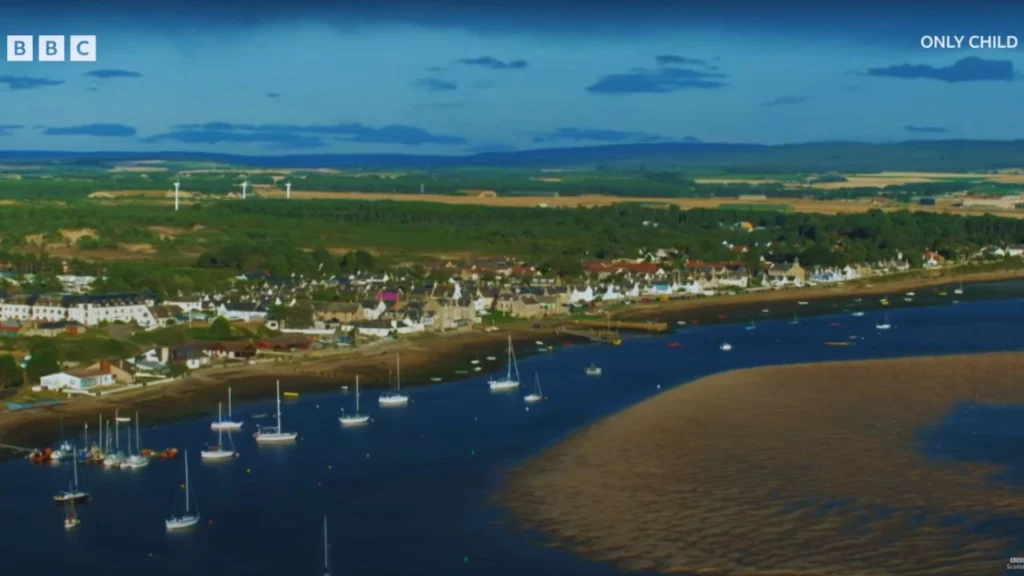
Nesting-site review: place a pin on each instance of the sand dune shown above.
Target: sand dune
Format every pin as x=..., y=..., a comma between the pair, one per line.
x=807, y=469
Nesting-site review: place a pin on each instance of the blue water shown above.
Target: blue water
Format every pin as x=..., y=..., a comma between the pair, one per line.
x=412, y=492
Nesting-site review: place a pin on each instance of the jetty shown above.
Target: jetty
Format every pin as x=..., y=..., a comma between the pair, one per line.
x=622, y=325
x=15, y=449
x=608, y=336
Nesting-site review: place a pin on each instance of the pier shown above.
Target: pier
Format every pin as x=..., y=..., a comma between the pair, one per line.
x=621, y=325
x=608, y=336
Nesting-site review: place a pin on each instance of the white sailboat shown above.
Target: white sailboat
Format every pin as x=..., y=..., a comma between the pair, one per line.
x=221, y=423
x=593, y=370
x=72, y=493
x=275, y=434
x=188, y=519
x=135, y=460
x=959, y=289
x=536, y=395
x=725, y=347
x=218, y=452
x=508, y=382
x=884, y=325
x=395, y=398
x=327, y=559
x=113, y=458
x=357, y=418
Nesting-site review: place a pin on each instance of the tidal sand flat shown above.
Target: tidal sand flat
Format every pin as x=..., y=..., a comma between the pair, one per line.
x=800, y=469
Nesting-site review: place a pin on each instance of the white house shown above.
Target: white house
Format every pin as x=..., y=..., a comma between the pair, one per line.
x=244, y=311
x=579, y=296
x=76, y=380
x=89, y=310
x=186, y=305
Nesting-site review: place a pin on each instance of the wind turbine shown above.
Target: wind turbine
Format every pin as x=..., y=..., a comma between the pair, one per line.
x=288, y=190
x=244, y=186
x=177, y=186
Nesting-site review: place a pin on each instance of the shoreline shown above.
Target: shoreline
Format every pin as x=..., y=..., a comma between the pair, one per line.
x=423, y=357
x=673, y=309
x=793, y=469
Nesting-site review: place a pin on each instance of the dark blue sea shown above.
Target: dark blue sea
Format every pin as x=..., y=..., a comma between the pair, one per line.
x=411, y=494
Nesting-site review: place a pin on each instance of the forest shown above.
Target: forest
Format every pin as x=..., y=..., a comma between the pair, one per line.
x=218, y=240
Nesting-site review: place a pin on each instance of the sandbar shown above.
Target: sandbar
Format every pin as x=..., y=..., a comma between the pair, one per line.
x=799, y=469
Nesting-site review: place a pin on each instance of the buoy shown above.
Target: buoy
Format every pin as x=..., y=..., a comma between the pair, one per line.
x=248, y=470
x=527, y=408
x=182, y=486
x=210, y=523
x=465, y=559
x=472, y=452
x=330, y=467
x=150, y=554
x=659, y=386
x=317, y=406
x=320, y=483
x=367, y=454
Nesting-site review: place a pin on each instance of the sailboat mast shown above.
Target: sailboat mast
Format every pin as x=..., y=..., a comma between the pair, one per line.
x=138, y=442
x=101, y=432
x=508, y=375
x=357, y=394
x=398, y=368
x=117, y=431
x=278, y=405
x=229, y=403
x=220, y=430
x=326, y=564
x=186, y=482
x=74, y=463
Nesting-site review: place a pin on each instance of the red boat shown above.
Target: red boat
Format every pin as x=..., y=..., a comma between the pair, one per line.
x=673, y=344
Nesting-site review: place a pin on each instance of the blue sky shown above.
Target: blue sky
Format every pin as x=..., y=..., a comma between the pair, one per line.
x=457, y=76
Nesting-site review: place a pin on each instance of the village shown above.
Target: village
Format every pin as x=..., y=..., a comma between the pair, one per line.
x=286, y=315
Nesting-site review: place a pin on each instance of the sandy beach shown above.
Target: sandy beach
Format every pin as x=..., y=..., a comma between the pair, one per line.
x=781, y=470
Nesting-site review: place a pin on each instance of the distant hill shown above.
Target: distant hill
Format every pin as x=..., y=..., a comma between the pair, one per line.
x=929, y=156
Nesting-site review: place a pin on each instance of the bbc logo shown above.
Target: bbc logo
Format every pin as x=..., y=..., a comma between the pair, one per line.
x=50, y=49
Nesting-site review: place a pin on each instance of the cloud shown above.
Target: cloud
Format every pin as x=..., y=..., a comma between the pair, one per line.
x=105, y=130
x=27, y=83
x=302, y=136
x=492, y=63
x=673, y=60
x=436, y=84
x=926, y=129
x=594, y=135
x=5, y=129
x=971, y=69
x=784, y=101
x=273, y=94
x=113, y=73
x=660, y=81
x=436, y=105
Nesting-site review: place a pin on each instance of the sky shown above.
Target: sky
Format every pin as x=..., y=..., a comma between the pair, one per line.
x=464, y=76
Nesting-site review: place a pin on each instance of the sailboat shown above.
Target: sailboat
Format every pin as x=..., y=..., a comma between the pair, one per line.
x=65, y=450
x=188, y=519
x=218, y=452
x=72, y=493
x=275, y=434
x=884, y=325
x=222, y=424
x=795, y=320
x=354, y=419
x=135, y=460
x=114, y=458
x=751, y=326
x=959, y=289
x=725, y=347
x=508, y=382
x=858, y=313
x=395, y=398
x=327, y=562
x=71, y=520
x=536, y=395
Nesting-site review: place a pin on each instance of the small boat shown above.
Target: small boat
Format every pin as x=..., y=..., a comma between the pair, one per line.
x=617, y=343
x=593, y=370
x=508, y=382
x=803, y=303
x=725, y=347
x=751, y=326
x=910, y=294
x=959, y=290
x=477, y=368
x=884, y=325
x=908, y=299
x=40, y=456
x=218, y=452
x=188, y=519
x=539, y=343
x=229, y=424
x=291, y=395
x=858, y=299
x=765, y=310
x=536, y=395
x=72, y=494
x=395, y=398
x=884, y=301
x=357, y=418
x=474, y=362
x=71, y=520
x=943, y=293
x=673, y=344
x=435, y=379
x=681, y=322
x=795, y=320
x=858, y=313
x=492, y=358
x=122, y=419
x=275, y=434
x=169, y=453
x=842, y=343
